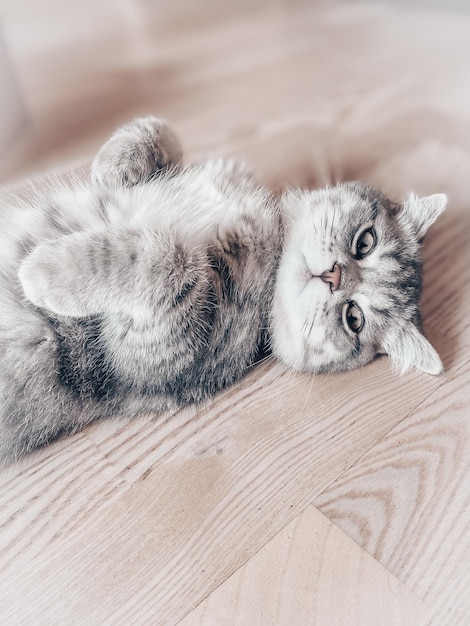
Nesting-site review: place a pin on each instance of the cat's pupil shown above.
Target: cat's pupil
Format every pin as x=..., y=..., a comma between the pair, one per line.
x=365, y=243
x=354, y=317
x=353, y=322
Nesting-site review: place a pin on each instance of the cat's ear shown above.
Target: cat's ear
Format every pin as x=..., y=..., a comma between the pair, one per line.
x=408, y=349
x=420, y=213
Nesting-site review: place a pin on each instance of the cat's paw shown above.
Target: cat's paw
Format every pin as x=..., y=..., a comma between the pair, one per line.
x=235, y=232
x=49, y=279
x=135, y=152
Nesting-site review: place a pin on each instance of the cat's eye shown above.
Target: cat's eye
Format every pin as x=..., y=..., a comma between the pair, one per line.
x=353, y=317
x=365, y=243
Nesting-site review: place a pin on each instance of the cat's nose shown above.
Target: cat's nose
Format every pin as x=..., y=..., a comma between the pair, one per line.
x=333, y=277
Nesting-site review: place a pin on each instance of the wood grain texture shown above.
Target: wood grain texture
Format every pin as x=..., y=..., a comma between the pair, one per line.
x=407, y=501
x=178, y=509
x=310, y=574
x=134, y=523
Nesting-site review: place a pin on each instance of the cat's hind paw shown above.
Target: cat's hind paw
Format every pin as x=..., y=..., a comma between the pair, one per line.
x=135, y=152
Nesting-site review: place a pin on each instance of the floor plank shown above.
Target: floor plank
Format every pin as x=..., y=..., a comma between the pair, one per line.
x=310, y=574
x=407, y=503
x=197, y=498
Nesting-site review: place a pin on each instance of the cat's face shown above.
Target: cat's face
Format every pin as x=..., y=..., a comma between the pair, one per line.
x=349, y=280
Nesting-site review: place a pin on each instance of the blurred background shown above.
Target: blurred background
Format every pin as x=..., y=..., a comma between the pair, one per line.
x=308, y=91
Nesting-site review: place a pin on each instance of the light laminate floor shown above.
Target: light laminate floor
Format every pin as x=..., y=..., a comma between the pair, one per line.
x=287, y=500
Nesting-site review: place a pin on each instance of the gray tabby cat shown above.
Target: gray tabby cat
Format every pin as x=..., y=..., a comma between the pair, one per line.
x=155, y=284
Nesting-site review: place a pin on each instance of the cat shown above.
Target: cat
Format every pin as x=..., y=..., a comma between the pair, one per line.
x=155, y=284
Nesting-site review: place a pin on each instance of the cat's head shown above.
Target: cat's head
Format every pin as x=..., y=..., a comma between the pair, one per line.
x=349, y=282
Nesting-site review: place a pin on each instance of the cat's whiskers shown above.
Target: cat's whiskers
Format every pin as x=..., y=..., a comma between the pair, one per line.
x=314, y=225
x=333, y=221
x=4, y=272
x=270, y=375
x=324, y=225
x=312, y=324
x=281, y=372
x=264, y=359
x=310, y=320
x=309, y=391
x=303, y=329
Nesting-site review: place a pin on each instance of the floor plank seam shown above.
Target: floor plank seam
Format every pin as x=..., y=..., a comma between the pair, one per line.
x=407, y=416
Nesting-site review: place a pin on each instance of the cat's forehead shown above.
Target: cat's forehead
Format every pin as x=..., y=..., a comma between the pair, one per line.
x=351, y=202
x=351, y=199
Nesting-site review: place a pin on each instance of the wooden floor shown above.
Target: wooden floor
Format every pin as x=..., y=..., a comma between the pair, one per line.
x=288, y=500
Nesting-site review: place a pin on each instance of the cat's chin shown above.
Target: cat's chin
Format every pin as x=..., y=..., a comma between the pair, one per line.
x=286, y=336
x=284, y=351
x=291, y=350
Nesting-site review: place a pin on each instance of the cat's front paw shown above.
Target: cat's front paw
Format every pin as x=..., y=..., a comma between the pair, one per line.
x=48, y=278
x=135, y=152
x=235, y=232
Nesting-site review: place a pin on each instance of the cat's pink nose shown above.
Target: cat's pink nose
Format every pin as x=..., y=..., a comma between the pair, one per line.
x=332, y=277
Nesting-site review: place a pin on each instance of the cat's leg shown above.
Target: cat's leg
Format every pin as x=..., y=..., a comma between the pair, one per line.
x=135, y=152
x=96, y=272
x=153, y=296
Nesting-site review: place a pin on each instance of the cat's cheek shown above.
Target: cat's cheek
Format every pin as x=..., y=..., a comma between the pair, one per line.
x=287, y=342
